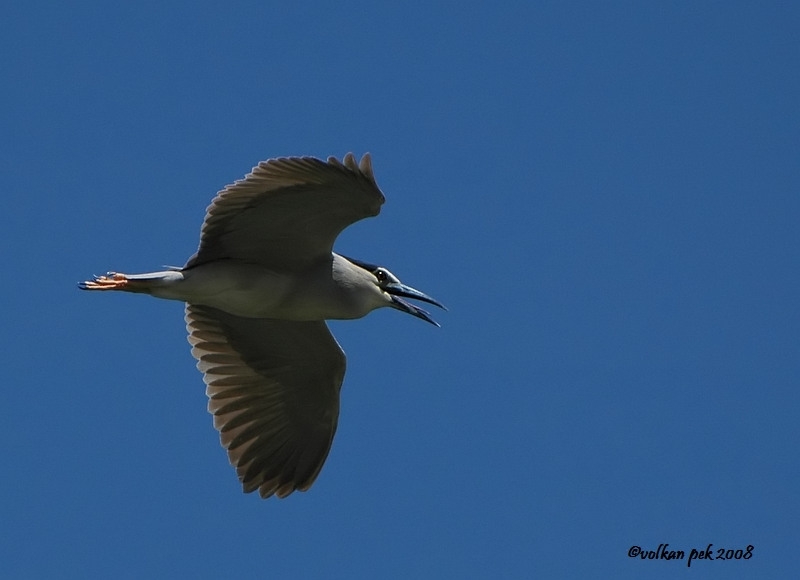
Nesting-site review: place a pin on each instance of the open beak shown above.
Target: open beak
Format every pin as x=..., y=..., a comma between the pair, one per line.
x=399, y=291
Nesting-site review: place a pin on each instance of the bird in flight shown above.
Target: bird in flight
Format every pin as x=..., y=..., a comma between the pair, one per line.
x=258, y=291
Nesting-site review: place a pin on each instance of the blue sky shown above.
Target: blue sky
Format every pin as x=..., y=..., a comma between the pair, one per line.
x=605, y=195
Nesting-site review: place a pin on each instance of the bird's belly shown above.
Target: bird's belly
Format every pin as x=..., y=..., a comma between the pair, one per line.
x=256, y=292
x=240, y=289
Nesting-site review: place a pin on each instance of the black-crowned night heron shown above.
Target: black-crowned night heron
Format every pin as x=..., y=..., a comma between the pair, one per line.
x=257, y=293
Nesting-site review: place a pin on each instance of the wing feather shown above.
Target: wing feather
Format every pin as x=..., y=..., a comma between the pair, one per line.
x=287, y=212
x=273, y=388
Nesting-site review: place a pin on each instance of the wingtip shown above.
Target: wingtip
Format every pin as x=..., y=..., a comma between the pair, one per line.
x=365, y=166
x=350, y=162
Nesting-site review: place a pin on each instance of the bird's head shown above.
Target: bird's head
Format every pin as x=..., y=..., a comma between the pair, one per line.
x=394, y=291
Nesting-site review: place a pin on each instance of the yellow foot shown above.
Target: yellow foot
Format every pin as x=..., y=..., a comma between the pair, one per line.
x=111, y=281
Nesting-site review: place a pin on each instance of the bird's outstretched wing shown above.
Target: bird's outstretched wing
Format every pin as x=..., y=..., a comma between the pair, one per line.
x=273, y=388
x=287, y=212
